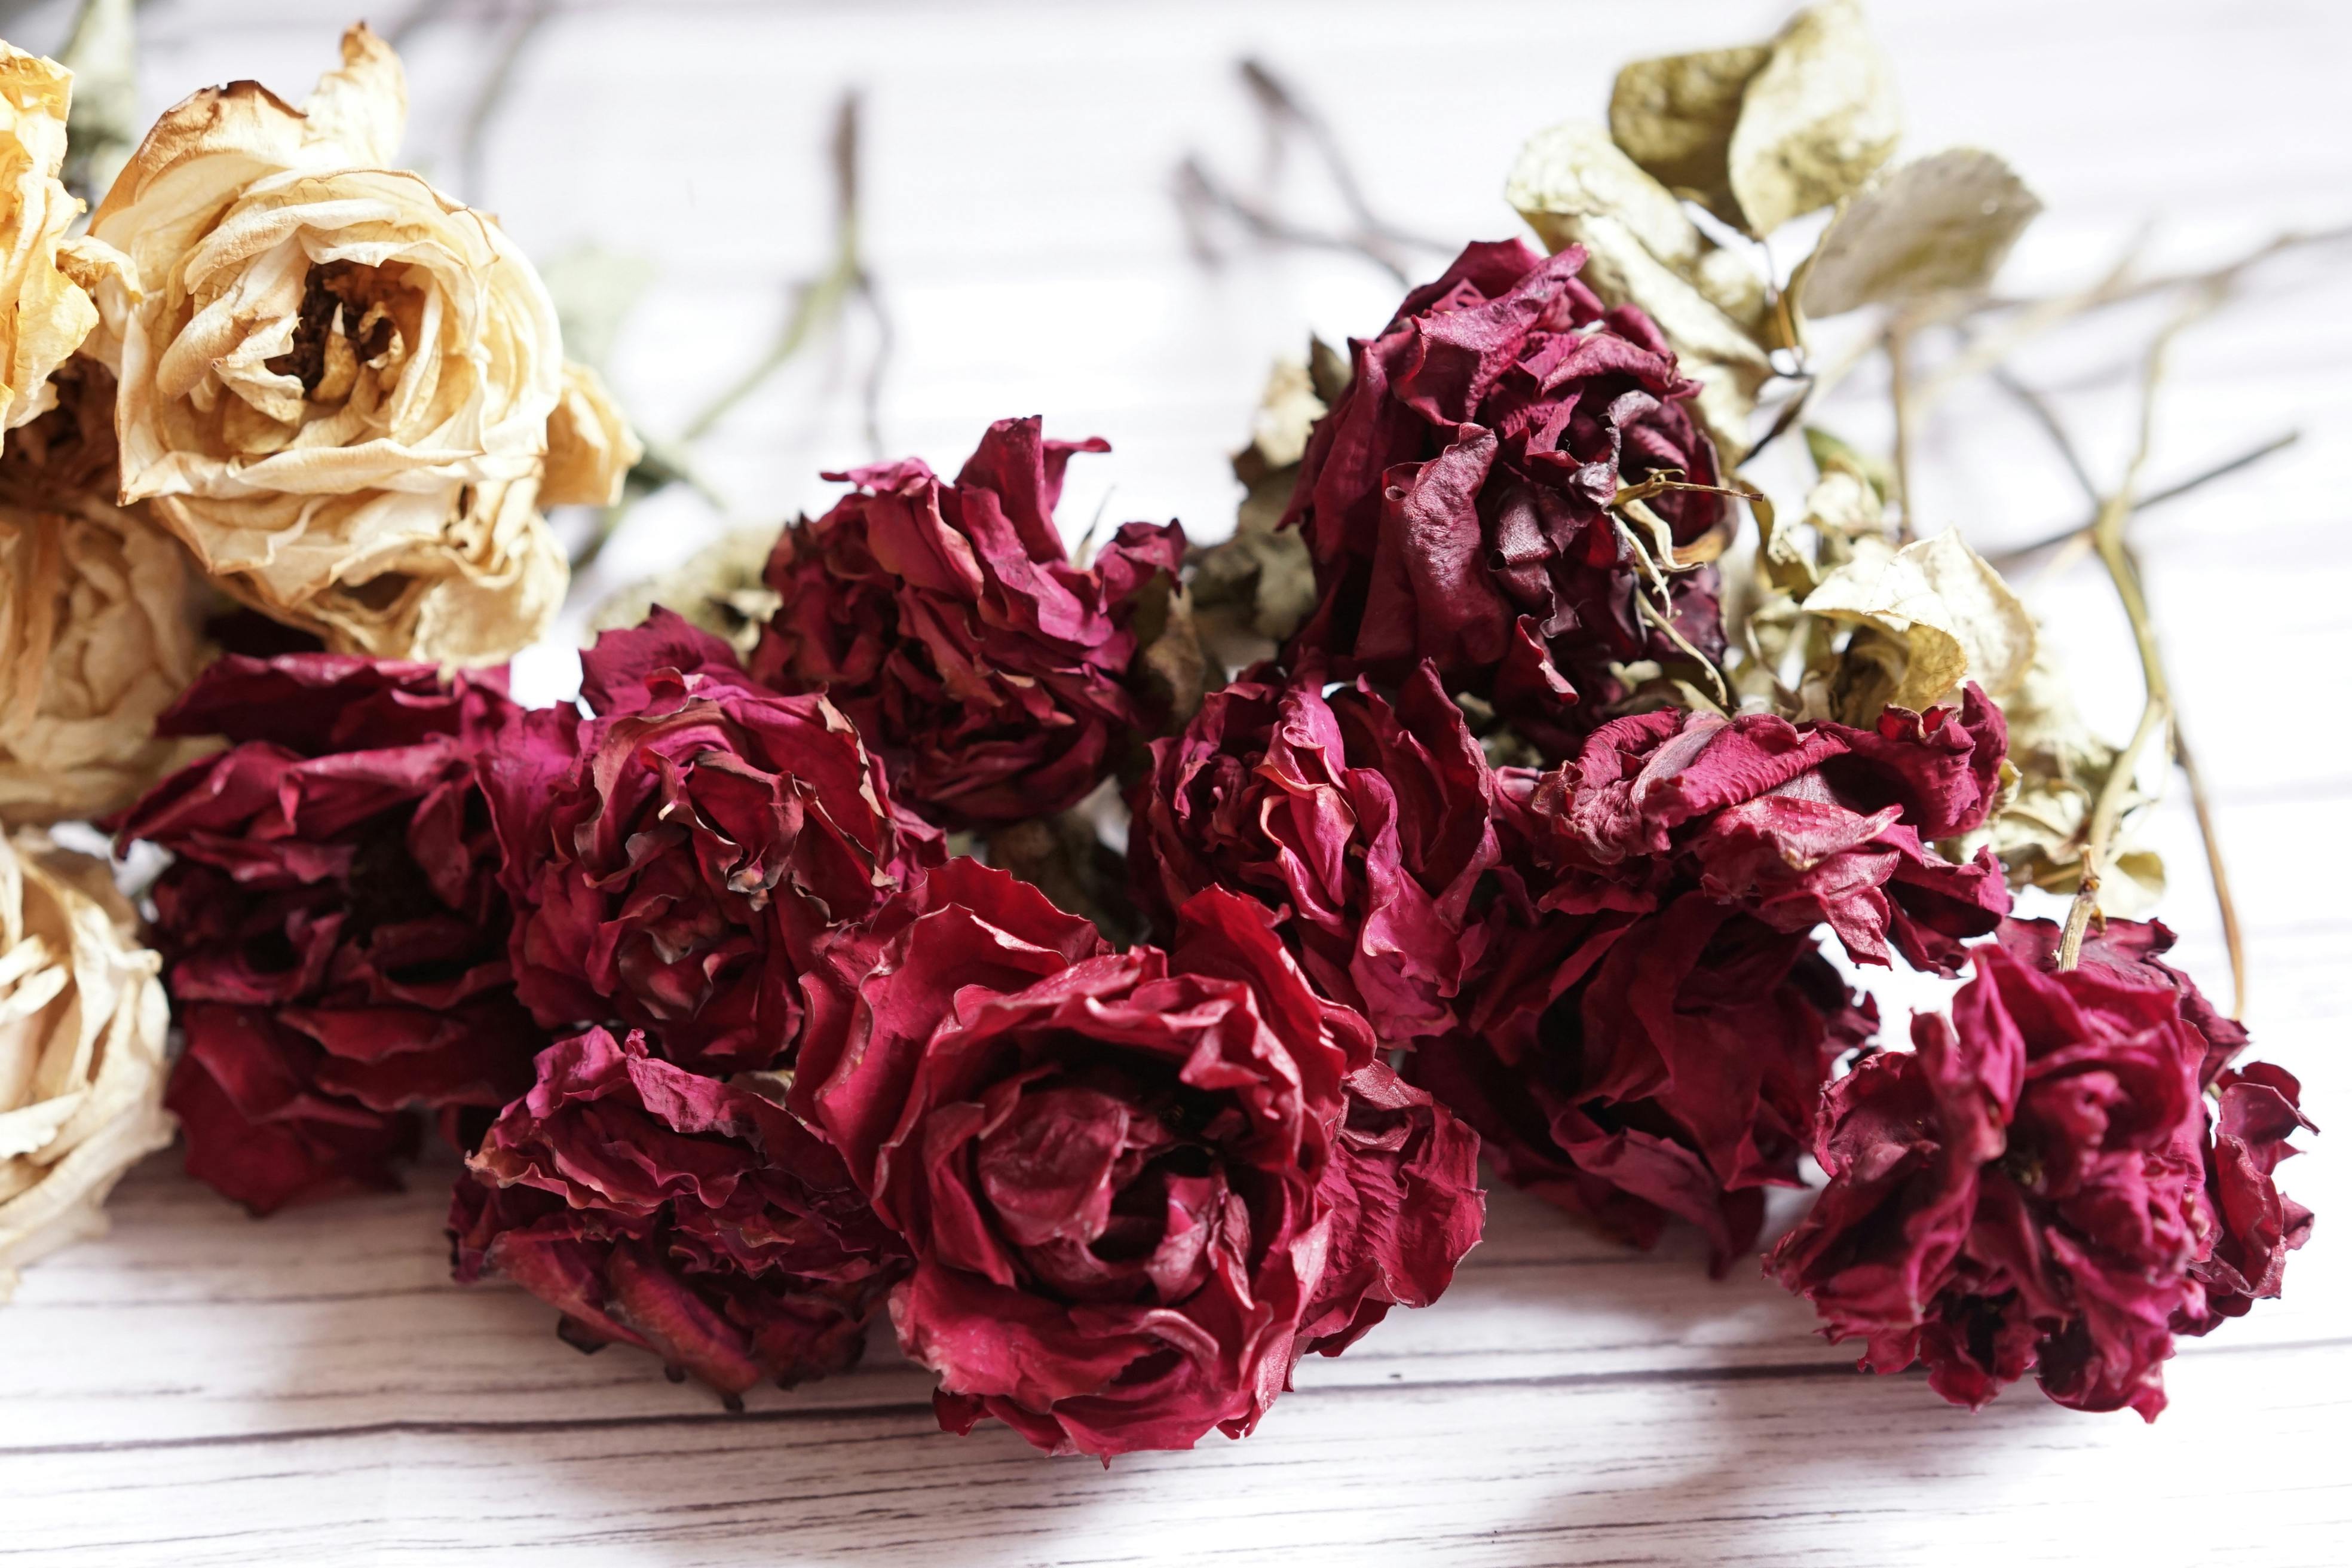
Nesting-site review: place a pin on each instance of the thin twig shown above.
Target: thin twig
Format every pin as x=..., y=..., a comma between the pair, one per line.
x=473, y=141
x=2196, y=481
x=2107, y=537
x=1898, y=371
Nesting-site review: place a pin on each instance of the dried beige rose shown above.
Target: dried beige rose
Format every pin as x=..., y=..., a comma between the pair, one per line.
x=590, y=447
x=45, y=279
x=337, y=383
x=99, y=618
x=82, y=1023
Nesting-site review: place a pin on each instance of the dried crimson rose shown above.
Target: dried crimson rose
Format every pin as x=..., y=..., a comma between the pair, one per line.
x=947, y=619
x=1456, y=499
x=683, y=1214
x=1138, y=1185
x=2028, y=1191
x=333, y=931
x=2250, y=1115
x=1652, y=1024
x=1363, y=824
x=672, y=859
x=1797, y=825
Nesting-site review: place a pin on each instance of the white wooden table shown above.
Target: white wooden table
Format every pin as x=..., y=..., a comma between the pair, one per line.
x=198, y=1388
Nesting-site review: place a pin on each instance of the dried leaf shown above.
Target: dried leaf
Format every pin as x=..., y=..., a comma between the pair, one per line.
x=1170, y=672
x=1943, y=616
x=718, y=588
x=595, y=290
x=1250, y=591
x=1675, y=115
x=1832, y=454
x=1065, y=858
x=1574, y=186
x=1816, y=121
x=2060, y=766
x=1937, y=225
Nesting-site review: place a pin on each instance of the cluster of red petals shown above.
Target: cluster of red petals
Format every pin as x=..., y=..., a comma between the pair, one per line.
x=681, y=1214
x=1455, y=500
x=673, y=860
x=1363, y=824
x=334, y=935
x=1648, y=1032
x=948, y=622
x=2042, y=1185
x=1137, y=1186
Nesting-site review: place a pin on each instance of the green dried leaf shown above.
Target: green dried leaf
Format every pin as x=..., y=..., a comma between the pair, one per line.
x=1250, y=591
x=1575, y=186
x=1832, y=454
x=718, y=588
x=1937, y=225
x=1816, y=121
x=1675, y=116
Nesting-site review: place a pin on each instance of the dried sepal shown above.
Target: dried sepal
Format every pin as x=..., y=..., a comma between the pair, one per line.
x=1575, y=186
x=1941, y=224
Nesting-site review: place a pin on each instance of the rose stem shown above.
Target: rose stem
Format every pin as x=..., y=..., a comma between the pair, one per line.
x=2107, y=537
x=1898, y=376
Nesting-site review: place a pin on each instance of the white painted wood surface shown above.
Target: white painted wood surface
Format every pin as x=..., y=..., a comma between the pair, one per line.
x=198, y=1388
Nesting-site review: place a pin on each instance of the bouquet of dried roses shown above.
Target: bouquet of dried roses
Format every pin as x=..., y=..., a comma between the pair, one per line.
x=1112, y=966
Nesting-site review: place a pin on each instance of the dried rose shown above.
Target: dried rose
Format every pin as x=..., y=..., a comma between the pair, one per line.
x=672, y=859
x=1138, y=1185
x=1797, y=824
x=685, y=1215
x=45, y=310
x=100, y=621
x=948, y=622
x=337, y=383
x=1650, y=1031
x=1457, y=497
x=1362, y=824
x=1640, y=1069
x=2027, y=1191
x=82, y=1026
x=333, y=925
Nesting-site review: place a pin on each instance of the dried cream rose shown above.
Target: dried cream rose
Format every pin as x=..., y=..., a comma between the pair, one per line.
x=590, y=447
x=45, y=279
x=82, y=1021
x=337, y=383
x=100, y=617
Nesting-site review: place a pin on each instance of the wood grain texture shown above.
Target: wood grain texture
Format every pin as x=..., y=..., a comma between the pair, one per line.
x=197, y=1388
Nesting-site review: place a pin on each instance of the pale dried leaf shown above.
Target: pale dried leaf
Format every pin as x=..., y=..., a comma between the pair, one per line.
x=719, y=588
x=1675, y=115
x=595, y=290
x=1942, y=614
x=1939, y=223
x=1817, y=121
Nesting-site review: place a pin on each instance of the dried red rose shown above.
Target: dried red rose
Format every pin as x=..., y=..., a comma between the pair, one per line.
x=1652, y=1024
x=2028, y=1191
x=685, y=1215
x=1138, y=1185
x=1798, y=825
x=1455, y=499
x=946, y=620
x=2250, y=1114
x=672, y=859
x=333, y=931
x=1362, y=824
